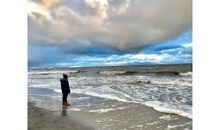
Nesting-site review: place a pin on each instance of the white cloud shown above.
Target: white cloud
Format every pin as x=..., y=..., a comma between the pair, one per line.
x=122, y=24
x=115, y=63
x=156, y=58
x=187, y=45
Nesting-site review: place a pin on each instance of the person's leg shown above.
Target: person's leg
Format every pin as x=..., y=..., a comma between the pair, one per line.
x=65, y=98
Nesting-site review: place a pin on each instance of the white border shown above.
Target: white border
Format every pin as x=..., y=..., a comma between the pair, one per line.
x=13, y=90
x=206, y=63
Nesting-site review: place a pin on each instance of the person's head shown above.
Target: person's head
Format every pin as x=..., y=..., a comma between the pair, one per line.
x=65, y=76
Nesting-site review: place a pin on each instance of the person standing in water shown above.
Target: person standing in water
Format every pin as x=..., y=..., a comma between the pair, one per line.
x=65, y=89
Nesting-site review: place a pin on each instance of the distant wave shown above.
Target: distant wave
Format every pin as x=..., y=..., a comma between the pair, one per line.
x=159, y=73
x=186, y=74
x=168, y=73
x=117, y=72
x=53, y=72
x=176, y=82
x=140, y=82
x=74, y=71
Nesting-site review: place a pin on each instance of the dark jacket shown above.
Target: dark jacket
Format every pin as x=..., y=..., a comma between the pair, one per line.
x=65, y=86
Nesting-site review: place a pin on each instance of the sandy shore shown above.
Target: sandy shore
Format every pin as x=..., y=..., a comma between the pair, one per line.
x=43, y=119
x=134, y=118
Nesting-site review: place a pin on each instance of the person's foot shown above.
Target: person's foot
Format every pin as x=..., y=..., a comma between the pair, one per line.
x=66, y=104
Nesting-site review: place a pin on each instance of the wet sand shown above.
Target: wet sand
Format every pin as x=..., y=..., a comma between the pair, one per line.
x=136, y=117
x=43, y=119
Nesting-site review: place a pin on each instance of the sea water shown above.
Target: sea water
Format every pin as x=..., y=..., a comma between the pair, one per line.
x=165, y=88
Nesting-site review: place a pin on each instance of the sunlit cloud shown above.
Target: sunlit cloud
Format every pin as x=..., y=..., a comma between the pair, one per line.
x=121, y=24
x=49, y=3
x=36, y=8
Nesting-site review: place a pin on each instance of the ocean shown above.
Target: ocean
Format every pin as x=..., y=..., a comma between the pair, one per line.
x=128, y=97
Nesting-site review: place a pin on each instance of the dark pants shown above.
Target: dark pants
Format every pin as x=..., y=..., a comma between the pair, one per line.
x=65, y=97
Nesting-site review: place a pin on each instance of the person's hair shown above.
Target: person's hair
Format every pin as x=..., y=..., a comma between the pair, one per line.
x=65, y=76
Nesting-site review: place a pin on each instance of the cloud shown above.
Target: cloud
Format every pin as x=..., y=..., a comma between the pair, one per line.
x=187, y=45
x=45, y=54
x=182, y=42
x=111, y=60
x=117, y=24
x=100, y=60
x=155, y=58
x=172, y=51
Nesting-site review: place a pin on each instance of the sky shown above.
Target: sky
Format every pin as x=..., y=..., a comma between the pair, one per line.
x=84, y=33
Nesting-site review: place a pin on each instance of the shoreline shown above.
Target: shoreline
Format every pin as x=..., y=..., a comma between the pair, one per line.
x=65, y=119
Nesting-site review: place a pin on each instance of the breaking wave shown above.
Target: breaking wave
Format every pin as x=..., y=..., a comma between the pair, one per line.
x=117, y=72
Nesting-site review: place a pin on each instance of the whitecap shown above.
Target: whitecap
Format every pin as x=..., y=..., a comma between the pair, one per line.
x=113, y=72
x=158, y=106
x=186, y=74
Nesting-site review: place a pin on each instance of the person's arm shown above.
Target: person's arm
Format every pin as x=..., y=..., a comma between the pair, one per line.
x=62, y=79
x=68, y=87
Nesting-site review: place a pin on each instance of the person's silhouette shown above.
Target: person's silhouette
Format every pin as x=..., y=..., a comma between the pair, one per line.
x=65, y=89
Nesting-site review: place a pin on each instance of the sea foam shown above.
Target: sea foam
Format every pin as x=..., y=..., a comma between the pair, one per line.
x=158, y=106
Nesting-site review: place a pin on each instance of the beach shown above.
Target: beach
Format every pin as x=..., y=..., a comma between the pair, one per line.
x=43, y=119
x=112, y=98
x=130, y=119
